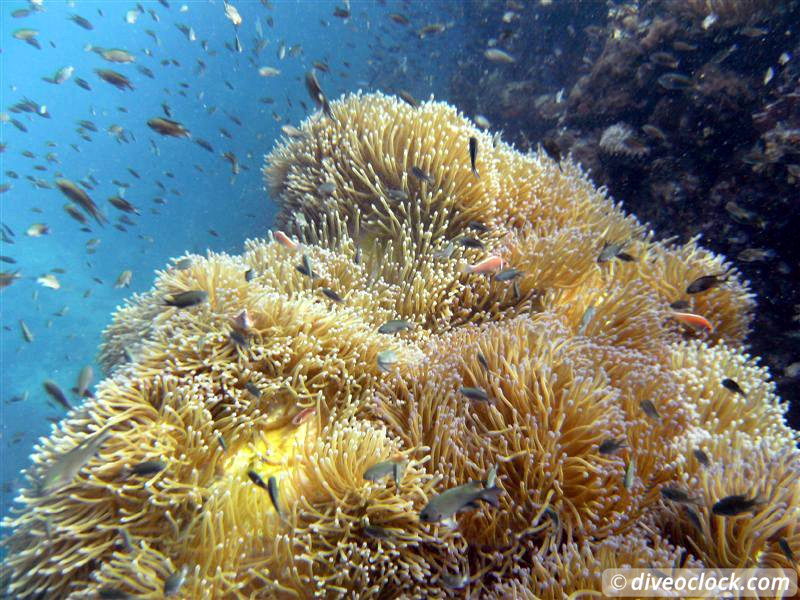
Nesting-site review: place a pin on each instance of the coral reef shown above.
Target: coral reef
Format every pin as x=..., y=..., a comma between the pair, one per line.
x=500, y=327
x=708, y=88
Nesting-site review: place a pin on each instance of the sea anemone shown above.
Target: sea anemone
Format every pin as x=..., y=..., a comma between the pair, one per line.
x=506, y=328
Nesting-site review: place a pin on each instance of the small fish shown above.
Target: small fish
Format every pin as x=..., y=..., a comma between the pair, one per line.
x=168, y=127
x=175, y=581
x=37, y=230
x=84, y=381
x=730, y=384
x=475, y=393
x=610, y=250
x=693, y=517
x=67, y=465
x=81, y=21
x=386, y=359
x=649, y=409
x=108, y=592
x=146, y=468
x=305, y=267
x=692, y=320
x=587, y=317
x=611, y=446
x=675, y=81
x=380, y=470
x=455, y=582
x=706, y=282
x=487, y=265
x=326, y=189
x=118, y=80
x=755, y=255
x=630, y=474
x=674, y=493
x=272, y=487
x=680, y=305
x=508, y=274
x=473, y=154
x=496, y=55
x=269, y=72
x=734, y=505
x=471, y=242
x=26, y=333
x=395, y=326
x=187, y=299
x=396, y=195
x=329, y=293
x=183, y=263
x=316, y=93
x=239, y=339
x=457, y=499
x=701, y=457
x=421, y=175
x=256, y=478
x=55, y=392
x=445, y=252
x=379, y=533
x=787, y=550
x=408, y=98
x=491, y=477
x=482, y=360
x=124, y=280
x=253, y=389
x=49, y=281
x=482, y=122
x=249, y=275
x=303, y=416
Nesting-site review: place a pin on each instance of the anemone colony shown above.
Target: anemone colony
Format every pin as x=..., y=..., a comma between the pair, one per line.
x=270, y=377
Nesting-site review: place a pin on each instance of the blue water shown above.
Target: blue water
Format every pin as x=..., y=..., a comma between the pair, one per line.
x=201, y=192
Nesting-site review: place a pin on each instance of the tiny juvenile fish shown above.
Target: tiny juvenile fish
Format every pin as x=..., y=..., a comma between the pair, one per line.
x=630, y=474
x=146, y=468
x=457, y=499
x=332, y=295
x=395, y=326
x=421, y=175
x=680, y=305
x=56, y=394
x=675, y=493
x=611, y=446
x=496, y=55
x=272, y=488
x=693, y=517
x=786, y=549
x=587, y=317
x=26, y=333
x=187, y=299
x=473, y=154
x=380, y=470
x=379, y=533
x=692, y=320
x=609, y=251
x=487, y=265
x=124, y=280
x=386, y=359
x=701, y=457
x=256, y=478
x=730, y=384
x=704, y=283
x=475, y=393
x=471, y=242
x=508, y=274
x=734, y=505
x=84, y=381
x=649, y=409
x=482, y=360
x=175, y=581
x=67, y=465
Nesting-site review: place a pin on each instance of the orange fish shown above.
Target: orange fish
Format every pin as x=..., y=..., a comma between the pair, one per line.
x=487, y=265
x=692, y=320
x=303, y=416
x=285, y=240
